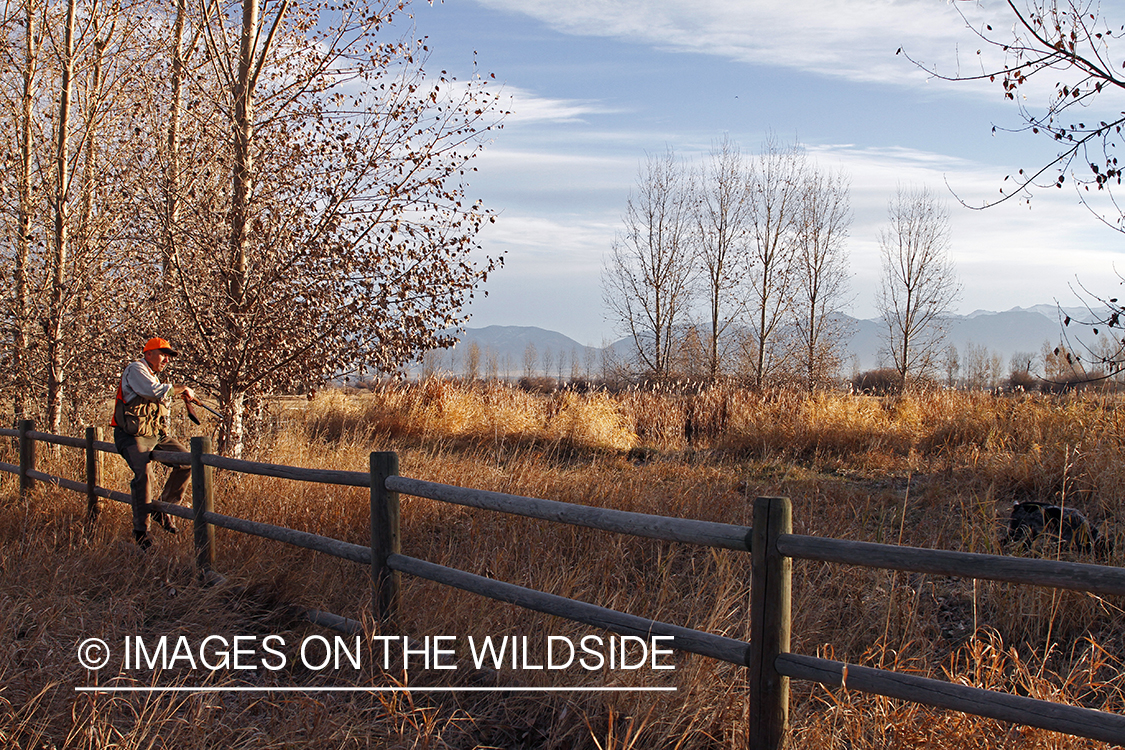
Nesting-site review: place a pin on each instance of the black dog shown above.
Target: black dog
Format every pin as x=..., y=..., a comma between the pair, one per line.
x=1065, y=526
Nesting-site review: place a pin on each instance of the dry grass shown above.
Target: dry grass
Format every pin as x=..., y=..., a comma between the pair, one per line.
x=932, y=470
x=844, y=719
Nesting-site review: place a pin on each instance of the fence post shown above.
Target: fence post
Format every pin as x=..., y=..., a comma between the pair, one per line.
x=769, y=624
x=27, y=455
x=202, y=501
x=384, y=536
x=93, y=473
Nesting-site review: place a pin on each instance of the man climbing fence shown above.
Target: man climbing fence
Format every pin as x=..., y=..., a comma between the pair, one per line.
x=140, y=425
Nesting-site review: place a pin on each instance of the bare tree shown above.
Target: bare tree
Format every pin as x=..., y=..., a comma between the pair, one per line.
x=977, y=366
x=692, y=356
x=647, y=276
x=492, y=364
x=172, y=166
x=723, y=231
x=548, y=358
x=431, y=363
x=328, y=231
x=472, y=362
x=1020, y=362
x=821, y=274
x=995, y=369
x=61, y=201
x=530, y=357
x=919, y=284
x=1060, y=365
x=777, y=177
x=951, y=364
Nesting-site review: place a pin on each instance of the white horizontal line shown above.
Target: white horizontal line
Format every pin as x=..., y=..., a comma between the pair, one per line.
x=376, y=689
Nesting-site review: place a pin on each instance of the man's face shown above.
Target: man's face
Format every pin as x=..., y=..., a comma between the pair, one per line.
x=157, y=359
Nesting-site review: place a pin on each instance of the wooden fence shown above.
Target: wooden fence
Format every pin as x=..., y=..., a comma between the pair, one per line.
x=770, y=542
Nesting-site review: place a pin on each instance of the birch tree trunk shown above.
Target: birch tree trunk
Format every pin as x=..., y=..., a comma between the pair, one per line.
x=89, y=145
x=172, y=171
x=243, y=157
x=87, y=244
x=23, y=242
x=231, y=391
x=56, y=373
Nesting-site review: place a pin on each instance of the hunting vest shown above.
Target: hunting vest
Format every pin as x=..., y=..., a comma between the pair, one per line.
x=143, y=417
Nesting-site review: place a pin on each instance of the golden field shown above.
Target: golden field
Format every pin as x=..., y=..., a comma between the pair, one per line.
x=936, y=469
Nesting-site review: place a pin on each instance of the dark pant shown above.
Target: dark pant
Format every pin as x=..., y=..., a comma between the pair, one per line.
x=136, y=452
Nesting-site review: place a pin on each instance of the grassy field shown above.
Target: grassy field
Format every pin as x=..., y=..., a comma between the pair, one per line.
x=937, y=469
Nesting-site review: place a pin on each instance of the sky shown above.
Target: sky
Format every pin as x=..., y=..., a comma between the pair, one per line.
x=596, y=85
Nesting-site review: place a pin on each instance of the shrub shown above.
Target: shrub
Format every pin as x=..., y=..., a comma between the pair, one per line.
x=882, y=382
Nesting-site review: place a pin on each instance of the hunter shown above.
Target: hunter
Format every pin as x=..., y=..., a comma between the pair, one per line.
x=140, y=426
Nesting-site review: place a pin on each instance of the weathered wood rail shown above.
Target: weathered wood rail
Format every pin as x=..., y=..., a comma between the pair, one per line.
x=770, y=542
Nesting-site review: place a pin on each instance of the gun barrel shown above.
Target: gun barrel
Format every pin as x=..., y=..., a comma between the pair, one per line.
x=208, y=408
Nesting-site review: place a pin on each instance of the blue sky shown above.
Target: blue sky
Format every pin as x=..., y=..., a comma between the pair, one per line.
x=595, y=85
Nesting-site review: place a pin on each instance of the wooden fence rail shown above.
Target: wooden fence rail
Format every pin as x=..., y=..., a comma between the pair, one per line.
x=704, y=533
x=1058, y=574
x=1059, y=717
x=770, y=542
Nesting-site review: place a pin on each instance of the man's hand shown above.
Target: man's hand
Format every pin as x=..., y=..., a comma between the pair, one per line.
x=184, y=392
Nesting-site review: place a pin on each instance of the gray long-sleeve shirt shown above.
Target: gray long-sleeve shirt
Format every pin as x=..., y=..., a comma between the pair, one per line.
x=138, y=379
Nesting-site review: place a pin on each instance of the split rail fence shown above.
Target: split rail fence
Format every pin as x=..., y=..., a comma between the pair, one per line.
x=770, y=542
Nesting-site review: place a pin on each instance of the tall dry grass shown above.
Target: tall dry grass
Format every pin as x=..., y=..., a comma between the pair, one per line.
x=933, y=470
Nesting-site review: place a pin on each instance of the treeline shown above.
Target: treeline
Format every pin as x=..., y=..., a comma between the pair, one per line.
x=1053, y=369
x=548, y=367
x=276, y=189
x=972, y=366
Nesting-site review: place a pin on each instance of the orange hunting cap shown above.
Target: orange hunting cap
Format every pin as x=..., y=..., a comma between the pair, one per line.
x=161, y=345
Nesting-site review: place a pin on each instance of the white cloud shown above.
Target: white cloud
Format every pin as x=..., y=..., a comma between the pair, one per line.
x=855, y=39
x=527, y=108
x=565, y=241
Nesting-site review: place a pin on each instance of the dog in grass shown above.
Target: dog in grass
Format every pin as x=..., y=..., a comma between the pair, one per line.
x=1059, y=526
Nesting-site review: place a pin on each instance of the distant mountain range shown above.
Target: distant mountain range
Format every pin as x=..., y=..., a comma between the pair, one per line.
x=1019, y=330
x=1022, y=330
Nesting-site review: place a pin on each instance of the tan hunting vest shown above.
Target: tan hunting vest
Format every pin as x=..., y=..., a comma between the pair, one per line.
x=143, y=417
